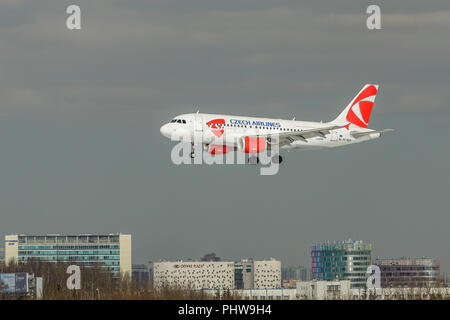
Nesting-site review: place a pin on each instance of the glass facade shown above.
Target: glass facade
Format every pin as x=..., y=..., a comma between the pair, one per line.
x=82, y=250
x=409, y=272
x=346, y=260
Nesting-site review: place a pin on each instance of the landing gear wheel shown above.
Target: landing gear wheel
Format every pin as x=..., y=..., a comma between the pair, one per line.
x=192, y=150
x=253, y=160
x=277, y=159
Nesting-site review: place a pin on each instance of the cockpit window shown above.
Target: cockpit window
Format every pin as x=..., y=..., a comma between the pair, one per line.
x=178, y=121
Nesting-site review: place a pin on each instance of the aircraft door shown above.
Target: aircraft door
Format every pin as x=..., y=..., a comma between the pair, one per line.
x=334, y=136
x=198, y=127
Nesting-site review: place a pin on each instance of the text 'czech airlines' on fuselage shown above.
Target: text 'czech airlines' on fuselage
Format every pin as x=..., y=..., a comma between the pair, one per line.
x=220, y=134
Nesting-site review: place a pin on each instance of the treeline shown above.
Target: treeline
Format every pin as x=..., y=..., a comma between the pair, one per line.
x=97, y=284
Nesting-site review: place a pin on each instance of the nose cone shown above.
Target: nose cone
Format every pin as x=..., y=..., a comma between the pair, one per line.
x=165, y=130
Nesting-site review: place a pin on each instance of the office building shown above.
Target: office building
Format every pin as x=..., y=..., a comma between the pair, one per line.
x=194, y=275
x=257, y=274
x=409, y=272
x=347, y=260
x=213, y=274
x=111, y=252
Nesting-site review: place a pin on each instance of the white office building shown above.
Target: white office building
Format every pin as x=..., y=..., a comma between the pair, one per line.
x=194, y=275
x=267, y=274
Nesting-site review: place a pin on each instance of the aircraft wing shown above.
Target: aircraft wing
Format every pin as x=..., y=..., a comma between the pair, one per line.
x=356, y=134
x=291, y=136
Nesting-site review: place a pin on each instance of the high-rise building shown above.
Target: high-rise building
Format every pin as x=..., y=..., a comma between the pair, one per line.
x=409, y=272
x=347, y=260
x=111, y=252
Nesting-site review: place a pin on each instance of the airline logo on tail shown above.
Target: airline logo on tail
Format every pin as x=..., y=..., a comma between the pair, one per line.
x=361, y=108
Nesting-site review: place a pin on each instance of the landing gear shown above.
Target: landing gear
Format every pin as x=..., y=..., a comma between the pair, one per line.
x=253, y=160
x=277, y=159
x=192, y=154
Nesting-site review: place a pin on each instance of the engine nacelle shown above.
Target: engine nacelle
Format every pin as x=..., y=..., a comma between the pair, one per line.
x=219, y=149
x=252, y=144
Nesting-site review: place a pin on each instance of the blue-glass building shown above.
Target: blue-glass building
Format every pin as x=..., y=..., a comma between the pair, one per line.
x=347, y=260
x=112, y=252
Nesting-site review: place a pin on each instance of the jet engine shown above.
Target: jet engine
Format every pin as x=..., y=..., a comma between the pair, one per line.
x=252, y=144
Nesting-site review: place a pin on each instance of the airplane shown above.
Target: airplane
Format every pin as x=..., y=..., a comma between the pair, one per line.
x=220, y=134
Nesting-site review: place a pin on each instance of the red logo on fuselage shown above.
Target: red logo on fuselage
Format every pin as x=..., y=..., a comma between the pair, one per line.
x=217, y=126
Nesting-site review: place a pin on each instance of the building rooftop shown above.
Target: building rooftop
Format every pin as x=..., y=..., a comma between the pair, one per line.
x=406, y=261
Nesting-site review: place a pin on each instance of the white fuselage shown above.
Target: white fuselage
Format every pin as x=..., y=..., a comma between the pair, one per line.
x=228, y=129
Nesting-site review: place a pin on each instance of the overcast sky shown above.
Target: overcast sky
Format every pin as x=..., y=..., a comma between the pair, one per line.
x=80, y=112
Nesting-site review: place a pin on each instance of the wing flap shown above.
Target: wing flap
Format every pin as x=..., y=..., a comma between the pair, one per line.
x=303, y=135
x=356, y=134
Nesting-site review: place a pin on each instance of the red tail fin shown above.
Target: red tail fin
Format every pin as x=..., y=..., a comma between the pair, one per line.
x=359, y=110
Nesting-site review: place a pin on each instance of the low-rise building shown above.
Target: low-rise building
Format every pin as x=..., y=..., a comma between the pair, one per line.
x=141, y=275
x=256, y=294
x=409, y=272
x=213, y=274
x=194, y=275
x=258, y=274
x=324, y=290
x=291, y=283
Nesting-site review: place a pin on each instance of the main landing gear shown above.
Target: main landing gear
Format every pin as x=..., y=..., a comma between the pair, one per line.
x=192, y=154
x=253, y=160
x=275, y=159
